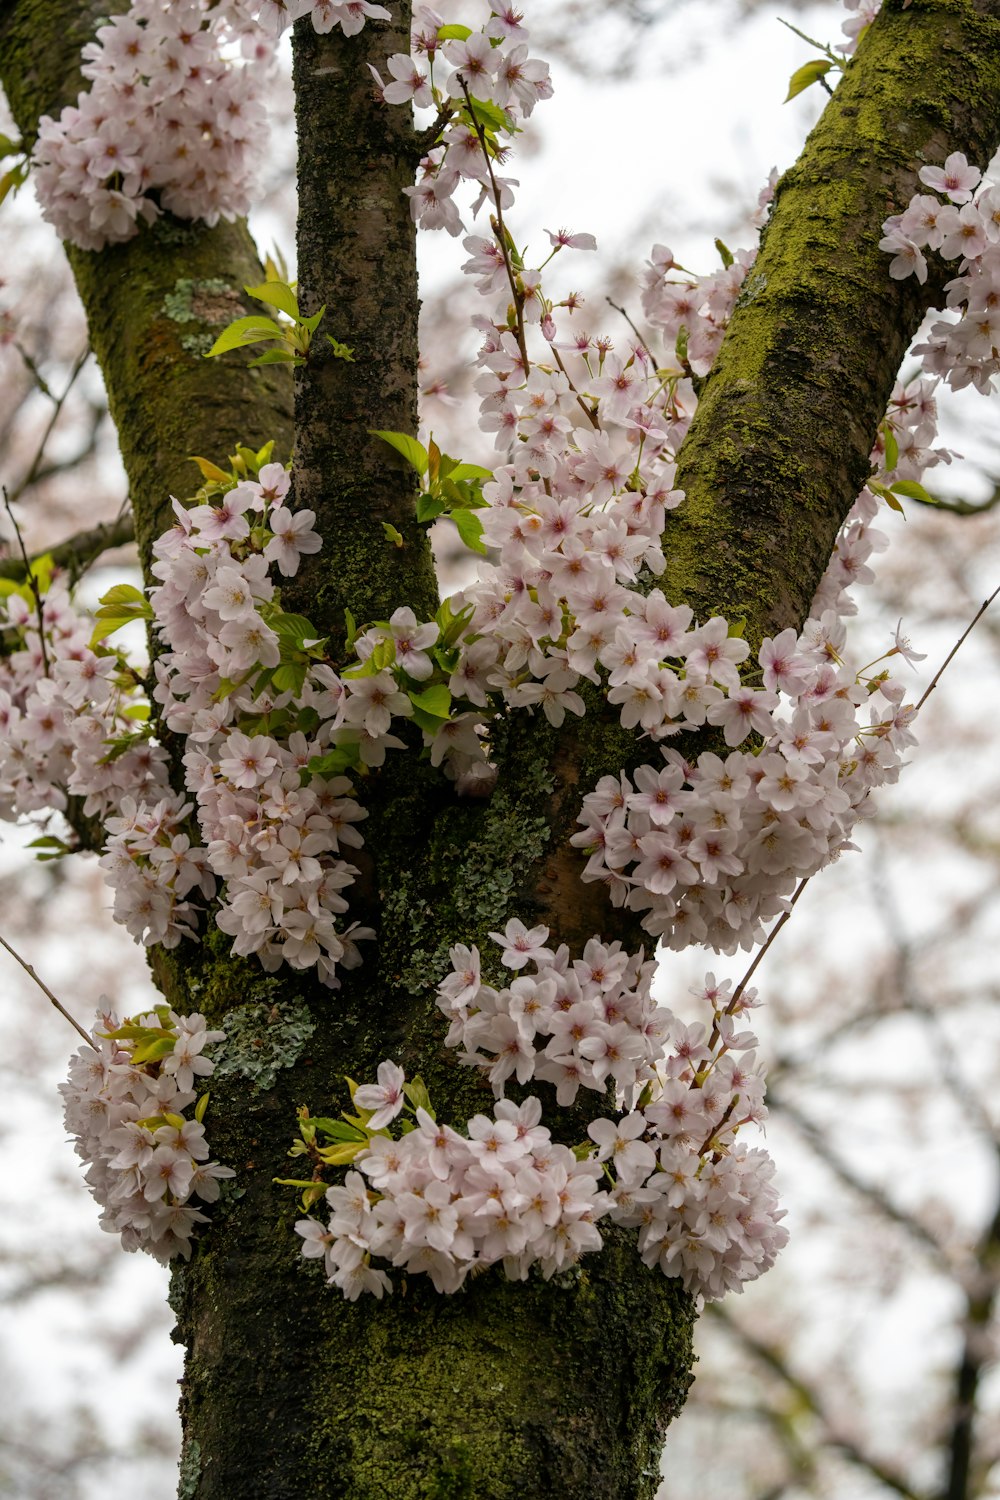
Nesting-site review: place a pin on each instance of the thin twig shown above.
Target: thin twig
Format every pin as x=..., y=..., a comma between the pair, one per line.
x=34, y=371
x=962, y=507
x=951, y=654
x=32, y=578
x=501, y=230
x=59, y=402
x=78, y=552
x=625, y=314
x=425, y=140
x=773, y=1359
x=46, y=991
x=588, y=411
x=779, y=924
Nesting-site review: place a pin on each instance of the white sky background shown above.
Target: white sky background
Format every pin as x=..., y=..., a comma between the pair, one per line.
x=676, y=155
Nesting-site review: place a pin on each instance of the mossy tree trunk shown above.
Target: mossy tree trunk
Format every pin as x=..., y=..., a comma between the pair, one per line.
x=551, y=1390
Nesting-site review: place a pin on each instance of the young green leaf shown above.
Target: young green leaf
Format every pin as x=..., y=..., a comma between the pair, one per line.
x=415, y=453
x=913, y=491
x=470, y=529
x=252, y=330
x=435, y=700
x=276, y=294
x=340, y=350
x=809, y=73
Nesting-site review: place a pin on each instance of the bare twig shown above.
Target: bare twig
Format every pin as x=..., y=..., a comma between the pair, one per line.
x=869, y=1192
x=425, y=140
x=32, y=578
x=625, y=314
x=78, y=552
x=46, y=991
x=58, y=403
x=962, y=507
x=774, y=1360
x=501, y=229
x=951, y=654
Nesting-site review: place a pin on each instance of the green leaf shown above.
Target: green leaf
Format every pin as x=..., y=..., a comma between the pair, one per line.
x=49, y=847
x=201, y=1107
x=725, y=253
x=289, y=677
x=107, y=627
x=891, y=447
x=340, y=350
x=311, y=324
x=9, y=147
x=416, y=1093
x=462, y=495
x=809, y=73
x=454, y=33
x=276, y=357
x=491, y=115
x=435, y=700
x=146, y=1052
x=252, y=330
x=291, y=629
x=276, y=294
x=429, y=507
x=451, y=625
x=892, y=502
x=470, y=529
x=392, y=535
x=913, y=491
x=341, y=1154
x=334, y=762
x=415, y=453
x=13, y=179
x=470, y=471
x=138, y=711
x=338, y=1130
x=124, y=598
x=211, y=471
x=122, y=743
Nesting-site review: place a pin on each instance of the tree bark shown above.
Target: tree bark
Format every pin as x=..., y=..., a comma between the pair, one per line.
x=538, y=1390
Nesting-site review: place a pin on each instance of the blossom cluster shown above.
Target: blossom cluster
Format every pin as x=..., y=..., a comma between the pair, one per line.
x=963, y=349
x=441, y=1202
x=272, y=836
x=574, y=1024
x=704, y=1203
x=128, y=1105
x=175, y=116
x=70, y=716
x=488, y=84
x=173, y=119
x=710, y=850
x=438, y=1203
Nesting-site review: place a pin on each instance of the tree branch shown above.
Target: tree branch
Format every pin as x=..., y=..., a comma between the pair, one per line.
x=774, y=1360
x=154, y=303
x=78, y=552
x=780, y=443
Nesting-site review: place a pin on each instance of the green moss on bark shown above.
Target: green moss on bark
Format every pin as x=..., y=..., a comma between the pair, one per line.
x=787, y=417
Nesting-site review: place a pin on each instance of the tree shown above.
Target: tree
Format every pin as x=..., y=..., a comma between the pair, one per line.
x=276, y=1397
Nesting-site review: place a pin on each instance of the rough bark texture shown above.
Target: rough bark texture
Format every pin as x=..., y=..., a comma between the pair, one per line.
x=154, y=305
x=357, y=256
x=780, y=443
x=558, y=1390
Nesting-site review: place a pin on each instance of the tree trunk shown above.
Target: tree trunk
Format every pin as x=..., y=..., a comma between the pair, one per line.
x=559, y=1389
